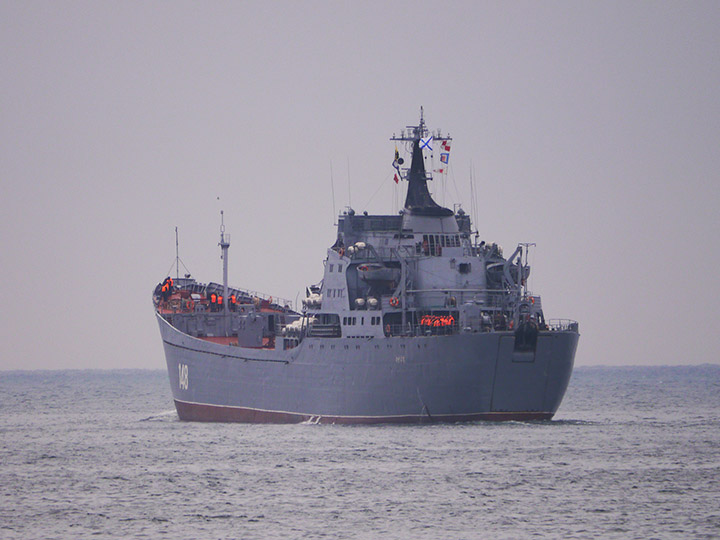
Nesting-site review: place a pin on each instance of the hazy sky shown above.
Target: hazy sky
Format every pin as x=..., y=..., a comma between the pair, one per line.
x=593, y=129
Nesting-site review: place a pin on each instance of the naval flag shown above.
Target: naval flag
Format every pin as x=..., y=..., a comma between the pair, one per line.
x=396, y=163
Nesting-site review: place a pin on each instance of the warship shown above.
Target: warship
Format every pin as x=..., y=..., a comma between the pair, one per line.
x=414, y=320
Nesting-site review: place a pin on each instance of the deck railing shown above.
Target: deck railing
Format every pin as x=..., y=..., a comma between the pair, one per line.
x=246, y=294
x=413, y=329
x=563, y=325
x=489, y=299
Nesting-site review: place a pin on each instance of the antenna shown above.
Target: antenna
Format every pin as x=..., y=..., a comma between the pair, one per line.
x=349, y=192
x=474, y=206
x=177, y=255
x=332, y=188
x=472, y=195
x=178, y=260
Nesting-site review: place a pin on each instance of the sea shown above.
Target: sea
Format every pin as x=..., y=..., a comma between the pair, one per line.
x=633, y=452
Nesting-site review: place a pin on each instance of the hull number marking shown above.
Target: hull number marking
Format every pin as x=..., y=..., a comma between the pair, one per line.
x=183, y=376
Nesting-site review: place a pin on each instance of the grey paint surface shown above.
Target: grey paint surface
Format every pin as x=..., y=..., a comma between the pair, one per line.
x=438, y=376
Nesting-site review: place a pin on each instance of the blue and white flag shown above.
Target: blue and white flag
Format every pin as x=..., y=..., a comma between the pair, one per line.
x=426, y=143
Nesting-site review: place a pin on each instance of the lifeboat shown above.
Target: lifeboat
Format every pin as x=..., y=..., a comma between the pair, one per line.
x=375, y=273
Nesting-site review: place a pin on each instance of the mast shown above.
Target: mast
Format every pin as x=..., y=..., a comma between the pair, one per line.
x=224, y=246
x=418, y=200
x=523, y=267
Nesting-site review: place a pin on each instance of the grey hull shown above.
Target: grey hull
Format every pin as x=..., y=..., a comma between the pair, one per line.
x=462, y=377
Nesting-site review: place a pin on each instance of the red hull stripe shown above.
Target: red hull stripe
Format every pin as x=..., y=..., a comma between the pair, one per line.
x=199, y=412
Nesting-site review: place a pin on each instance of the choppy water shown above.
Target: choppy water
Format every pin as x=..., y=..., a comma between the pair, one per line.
x=633, y=453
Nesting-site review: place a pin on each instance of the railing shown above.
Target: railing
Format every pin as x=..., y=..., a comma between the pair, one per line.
x=490, y=299
x=246, y=294
x=410, y=329
x=563, y=325
x=382, y=253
